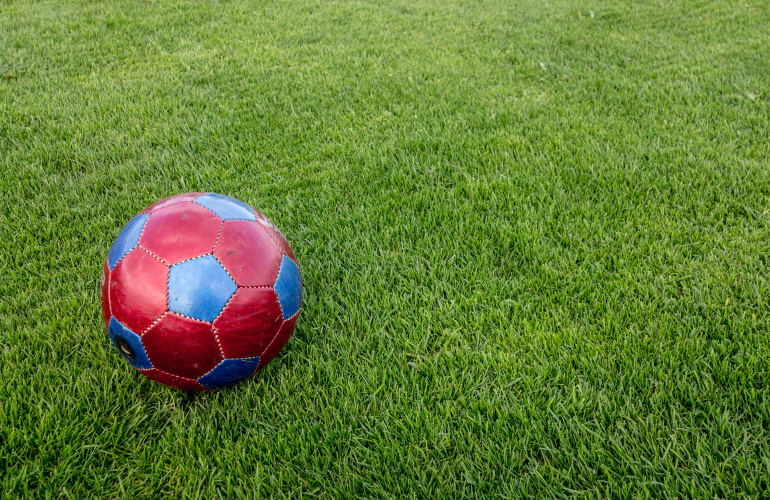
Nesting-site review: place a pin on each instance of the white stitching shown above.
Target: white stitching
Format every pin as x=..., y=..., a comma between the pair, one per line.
x=216, y=241
x=154, y=323
x=137, y=239
x=219, y=344
x=228, y=273
x=214, y=368
x=192, y=258
x=154, y=255
x=207, y=208
x=171, y=311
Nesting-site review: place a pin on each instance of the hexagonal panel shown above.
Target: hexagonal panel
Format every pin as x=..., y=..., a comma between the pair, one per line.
x=138, y=290
x=129, y=345
x=199, y=288
x=248, y=253
x=226, y=207
x=180, y=232
x=126, y=240
x=229, y=372
x=248, y=323
x=288, y=286
x=182, y=346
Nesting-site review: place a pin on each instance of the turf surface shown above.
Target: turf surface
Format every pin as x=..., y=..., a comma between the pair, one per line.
x=534, y=238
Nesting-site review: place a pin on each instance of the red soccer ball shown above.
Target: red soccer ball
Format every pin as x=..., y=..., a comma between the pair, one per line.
x=199, y=291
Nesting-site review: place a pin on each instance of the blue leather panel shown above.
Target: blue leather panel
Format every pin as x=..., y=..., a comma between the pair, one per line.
x=126, y=240
x=288, y=287
x=129, y=345
x=229, y=372
x=226, y=208
x=199, y=288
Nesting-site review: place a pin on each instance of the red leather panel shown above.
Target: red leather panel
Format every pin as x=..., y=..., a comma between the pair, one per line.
x=180, y=232
x=248, y=253
x=182, y=346
x=138, y=290
x=249, y=322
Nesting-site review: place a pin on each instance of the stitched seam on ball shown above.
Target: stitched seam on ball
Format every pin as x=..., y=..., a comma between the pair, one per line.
x=265, y=286
x=230, y=275
x=168, y=289
x=214, y=368
x=137, y=239
x=155, y=256
x=207, y=208
x=171, y=311
x=148, y=214
x=213, y=328
x=143, y=226
x=219, y=344
x=247, y=357
x=153, y=323
x=228, y=300
x=192, y=258
x=296, y=314
x=216, y=241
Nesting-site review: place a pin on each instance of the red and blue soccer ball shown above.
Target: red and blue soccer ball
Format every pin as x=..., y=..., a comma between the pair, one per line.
x=199, y=291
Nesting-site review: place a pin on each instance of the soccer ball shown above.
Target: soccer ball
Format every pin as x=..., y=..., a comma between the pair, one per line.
x=199, y=291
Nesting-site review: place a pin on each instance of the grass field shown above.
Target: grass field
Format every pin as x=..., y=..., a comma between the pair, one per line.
x=534, y=239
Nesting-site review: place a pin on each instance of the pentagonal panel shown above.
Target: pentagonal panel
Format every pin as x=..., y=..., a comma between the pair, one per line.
x=129, y=345
x=279, y=341
x=183, y=383
x=182, y=346
x=126, y=240
x=171, y=200
x=288, y=286
x=181, y=231
x=248, y=253
x=199, y=288
x=105, y=289
x=226, y=207
x=248, y=323
x=138, y=290
x=229, y=372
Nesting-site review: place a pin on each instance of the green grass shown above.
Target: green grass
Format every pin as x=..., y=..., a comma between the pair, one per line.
x=534, y=239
